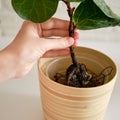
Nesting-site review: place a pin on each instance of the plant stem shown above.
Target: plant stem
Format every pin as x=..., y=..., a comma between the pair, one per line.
x=71, y=30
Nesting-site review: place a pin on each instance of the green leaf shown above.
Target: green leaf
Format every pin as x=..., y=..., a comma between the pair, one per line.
x=105, y=8
x=35, y=10
x=89, y=16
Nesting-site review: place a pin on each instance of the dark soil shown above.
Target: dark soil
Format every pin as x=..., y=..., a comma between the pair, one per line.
x=79, y=76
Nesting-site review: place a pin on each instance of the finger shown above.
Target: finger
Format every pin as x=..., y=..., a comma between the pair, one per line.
x=58, y=43
x=55, y=23
x=56, y=53
x=55, y=32
x=76, y=37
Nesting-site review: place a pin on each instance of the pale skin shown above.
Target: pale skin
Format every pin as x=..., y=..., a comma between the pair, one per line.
x=33, y=42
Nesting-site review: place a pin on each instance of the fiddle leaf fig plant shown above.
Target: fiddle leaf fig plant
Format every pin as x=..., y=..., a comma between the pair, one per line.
x=89, y=14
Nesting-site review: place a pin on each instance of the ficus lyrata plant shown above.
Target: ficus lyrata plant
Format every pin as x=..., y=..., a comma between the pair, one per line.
x=89, y=14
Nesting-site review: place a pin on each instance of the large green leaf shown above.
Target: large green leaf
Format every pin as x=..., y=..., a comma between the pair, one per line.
x=88, y=15
x=35, y=10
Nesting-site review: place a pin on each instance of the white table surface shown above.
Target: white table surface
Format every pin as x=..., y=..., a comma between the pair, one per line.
x=20, y=98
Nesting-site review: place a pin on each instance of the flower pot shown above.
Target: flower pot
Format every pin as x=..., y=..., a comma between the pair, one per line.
x=61, y=102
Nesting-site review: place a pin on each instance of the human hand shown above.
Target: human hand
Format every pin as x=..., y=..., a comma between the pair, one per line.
x=33, y=42
x=38, y=35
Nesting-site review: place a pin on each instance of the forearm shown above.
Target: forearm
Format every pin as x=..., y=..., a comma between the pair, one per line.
x=7, y=65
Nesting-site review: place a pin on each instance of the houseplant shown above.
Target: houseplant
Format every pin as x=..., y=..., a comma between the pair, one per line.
x=61, y=102
x=90, y=14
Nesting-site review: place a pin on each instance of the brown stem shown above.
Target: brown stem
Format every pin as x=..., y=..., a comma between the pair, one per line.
x=71, y=30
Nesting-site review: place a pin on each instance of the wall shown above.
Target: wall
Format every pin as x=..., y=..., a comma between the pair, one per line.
x=10, y=22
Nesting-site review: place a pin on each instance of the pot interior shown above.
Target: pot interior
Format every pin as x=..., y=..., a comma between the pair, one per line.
x=95, y=62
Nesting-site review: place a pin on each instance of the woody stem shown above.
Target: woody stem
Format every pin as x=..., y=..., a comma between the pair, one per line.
x=70, y=11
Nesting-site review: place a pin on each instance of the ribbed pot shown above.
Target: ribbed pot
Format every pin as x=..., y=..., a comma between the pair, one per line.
x=61, y=102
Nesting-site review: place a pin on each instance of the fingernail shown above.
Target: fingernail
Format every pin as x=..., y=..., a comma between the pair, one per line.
x=70, y=40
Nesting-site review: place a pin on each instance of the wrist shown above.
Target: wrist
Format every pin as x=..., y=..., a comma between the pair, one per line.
x=7, y=65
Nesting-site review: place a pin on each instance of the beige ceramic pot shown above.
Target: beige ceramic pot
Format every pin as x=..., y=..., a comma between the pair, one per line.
x=61, y=102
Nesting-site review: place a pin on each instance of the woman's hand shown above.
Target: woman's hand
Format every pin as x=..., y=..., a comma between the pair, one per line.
x=35, y=40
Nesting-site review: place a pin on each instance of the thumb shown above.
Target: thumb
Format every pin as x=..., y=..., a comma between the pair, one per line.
x=58, y=43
